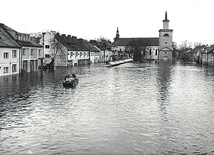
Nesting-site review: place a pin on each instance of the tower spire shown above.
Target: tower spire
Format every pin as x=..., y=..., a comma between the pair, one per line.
x=166, y=15
x=166, y=19
x=117, y=34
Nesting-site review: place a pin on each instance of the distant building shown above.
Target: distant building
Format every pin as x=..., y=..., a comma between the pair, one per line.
x=105, y=50
x=31, y=53
x=165, y=41
x=66, y=50
x=207, y=56
x=154, y=48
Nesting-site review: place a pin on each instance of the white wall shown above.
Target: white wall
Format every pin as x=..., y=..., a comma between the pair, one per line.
x=9, y=62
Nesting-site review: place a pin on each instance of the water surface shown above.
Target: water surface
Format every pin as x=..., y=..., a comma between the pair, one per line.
x=134, y=108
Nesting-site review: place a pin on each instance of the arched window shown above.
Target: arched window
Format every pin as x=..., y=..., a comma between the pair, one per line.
x=166, y=35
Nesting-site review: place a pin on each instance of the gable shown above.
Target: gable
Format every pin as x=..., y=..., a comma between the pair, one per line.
x=6, y=40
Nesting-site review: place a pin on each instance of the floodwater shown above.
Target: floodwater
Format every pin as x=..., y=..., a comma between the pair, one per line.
x=134, y=108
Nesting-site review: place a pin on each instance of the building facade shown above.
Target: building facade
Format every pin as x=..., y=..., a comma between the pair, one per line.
x=155, y=48
x=9, y=53
x=18, y=52
x=165, y=41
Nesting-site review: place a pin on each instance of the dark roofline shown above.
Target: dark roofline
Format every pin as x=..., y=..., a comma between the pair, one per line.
x=166, y=30
x=2, y=26
x=10, y=47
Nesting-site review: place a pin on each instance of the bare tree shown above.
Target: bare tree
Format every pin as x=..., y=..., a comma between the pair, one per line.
x=185, y=45
x=58, y=51
x=101, y=38
x=197, y=44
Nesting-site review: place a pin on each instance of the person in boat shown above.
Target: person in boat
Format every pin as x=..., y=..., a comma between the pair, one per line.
x=67, y=76
x=74, y=76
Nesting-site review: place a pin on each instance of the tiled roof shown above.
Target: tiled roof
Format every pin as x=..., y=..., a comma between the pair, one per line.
x=210, y=49
x=29, y=44
x=7, y=40
x=197, y=49
x=93, y=48
x=104, y=44
x=139, y=41
x=71, y=43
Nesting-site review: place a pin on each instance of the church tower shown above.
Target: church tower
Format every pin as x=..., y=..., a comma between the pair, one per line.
x=165, y=41
x=117, y=35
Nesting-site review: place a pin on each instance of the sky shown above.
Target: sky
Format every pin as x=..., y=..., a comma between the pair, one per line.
x=191, y=20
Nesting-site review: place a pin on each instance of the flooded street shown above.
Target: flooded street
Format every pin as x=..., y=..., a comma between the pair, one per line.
x=134, y=108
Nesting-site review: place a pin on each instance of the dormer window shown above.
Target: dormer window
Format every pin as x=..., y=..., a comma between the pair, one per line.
x=166, y=35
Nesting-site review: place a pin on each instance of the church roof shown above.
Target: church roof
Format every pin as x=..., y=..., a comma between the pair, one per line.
x=139, y=41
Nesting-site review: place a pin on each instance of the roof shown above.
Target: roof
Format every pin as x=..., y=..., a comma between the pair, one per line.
x=139, y=41
x=102, y=45
x=197, y=49
x=29, y=44
x=210, y=49
x=71, y=43
x=7, y=40
x=93, y=48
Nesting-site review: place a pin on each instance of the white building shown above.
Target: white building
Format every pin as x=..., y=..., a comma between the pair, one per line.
x=9, y=53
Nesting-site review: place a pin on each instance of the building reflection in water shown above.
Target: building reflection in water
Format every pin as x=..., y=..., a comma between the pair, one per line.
x=163, y=84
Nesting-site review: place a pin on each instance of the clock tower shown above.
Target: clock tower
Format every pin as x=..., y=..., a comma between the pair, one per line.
x=165, y=41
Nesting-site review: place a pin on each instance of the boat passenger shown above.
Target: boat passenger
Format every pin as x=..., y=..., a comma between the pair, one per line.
x=74, y=76
x=67, y=76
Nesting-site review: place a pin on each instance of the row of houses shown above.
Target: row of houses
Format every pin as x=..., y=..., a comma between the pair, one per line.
x=202, y=54
x=17, y=52
x=67, y=50
x=20, y=52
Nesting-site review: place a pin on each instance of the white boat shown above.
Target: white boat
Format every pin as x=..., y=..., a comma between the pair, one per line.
x=118, y=62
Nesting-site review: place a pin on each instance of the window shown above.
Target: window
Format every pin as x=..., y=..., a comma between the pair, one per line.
x=14, y=55
x=166, y=35
x=6, y=69
x=31, y=52
x=156, y=52
x=166, y=42
x=47, y=46
x=47, y=56
x=71, y=54
x=6, y=55
x=150, y=52
x=39, y=51
x=14, y=68
x=23, y=52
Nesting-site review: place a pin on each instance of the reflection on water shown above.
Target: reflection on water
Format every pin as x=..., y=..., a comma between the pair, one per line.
x=134, y=108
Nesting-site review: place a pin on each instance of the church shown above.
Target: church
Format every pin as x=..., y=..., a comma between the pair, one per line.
x=156, y=48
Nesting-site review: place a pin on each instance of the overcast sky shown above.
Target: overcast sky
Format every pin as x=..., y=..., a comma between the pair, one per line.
x=191, y=20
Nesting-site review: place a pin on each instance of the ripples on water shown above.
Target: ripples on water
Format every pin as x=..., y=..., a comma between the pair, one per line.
x=129, y=109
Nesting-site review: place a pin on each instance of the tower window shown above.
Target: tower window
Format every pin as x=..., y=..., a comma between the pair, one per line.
x=166, y=42
x=166, y=35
